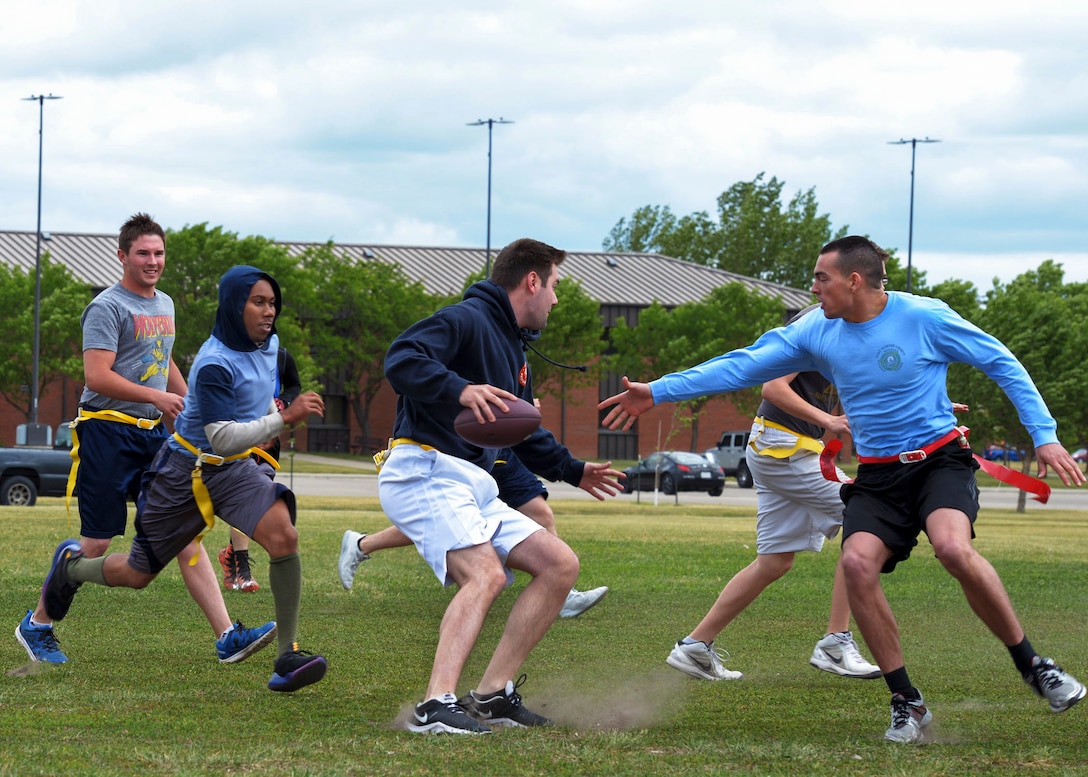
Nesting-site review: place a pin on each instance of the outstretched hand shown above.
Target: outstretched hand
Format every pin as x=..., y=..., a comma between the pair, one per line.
x=627, y=406
x=599, y=480
x=1055, y=456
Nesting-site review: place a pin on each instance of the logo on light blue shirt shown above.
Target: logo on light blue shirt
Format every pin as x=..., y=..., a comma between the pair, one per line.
x=890, y=358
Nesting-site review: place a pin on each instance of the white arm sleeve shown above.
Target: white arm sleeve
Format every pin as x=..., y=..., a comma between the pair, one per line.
x=230, y=437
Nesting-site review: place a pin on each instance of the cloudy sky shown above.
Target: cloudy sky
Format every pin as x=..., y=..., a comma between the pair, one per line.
x=346, y=119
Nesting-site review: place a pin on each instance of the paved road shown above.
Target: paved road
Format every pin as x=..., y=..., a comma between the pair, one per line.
x=366, y=484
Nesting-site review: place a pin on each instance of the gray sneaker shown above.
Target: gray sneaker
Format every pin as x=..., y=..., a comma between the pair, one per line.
x=701, y=661
x=838, y=653
x=350, y=558
x=1054, y=684
x=580, y=601
x=909, y=719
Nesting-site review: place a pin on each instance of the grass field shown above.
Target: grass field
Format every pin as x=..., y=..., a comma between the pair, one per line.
x=144, y=694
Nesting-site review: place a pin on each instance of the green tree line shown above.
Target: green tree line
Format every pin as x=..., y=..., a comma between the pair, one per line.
x=341, y=314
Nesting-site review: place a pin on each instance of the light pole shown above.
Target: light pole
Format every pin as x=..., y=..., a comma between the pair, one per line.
x=490, y=124
x=910, y=229
x=40, y=99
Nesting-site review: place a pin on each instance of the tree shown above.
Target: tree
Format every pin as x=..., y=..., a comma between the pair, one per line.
x=355, y=310
x=665, y=341
x=1040, y=319
x=754, y=234
x=63, y=299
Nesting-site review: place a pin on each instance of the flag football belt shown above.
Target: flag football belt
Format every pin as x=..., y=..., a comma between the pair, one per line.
x=803, y=442
x=200, y=491
x=1040, y=491
x=381, y=456
x=115, y=416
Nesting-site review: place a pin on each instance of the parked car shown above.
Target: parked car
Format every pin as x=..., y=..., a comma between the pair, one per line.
x=1001, y=453
x=1080, y=455
x=679, y=471
x=27, y=471
x=730, y=454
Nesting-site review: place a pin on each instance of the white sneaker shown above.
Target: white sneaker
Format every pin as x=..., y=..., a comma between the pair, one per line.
x=701, y=661
x=909, y=720
x=350, y=557
x=838, y=653
x=580, y=601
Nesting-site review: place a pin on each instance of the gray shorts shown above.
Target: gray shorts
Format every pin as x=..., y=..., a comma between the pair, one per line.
x=167, y=516
x=797, y=508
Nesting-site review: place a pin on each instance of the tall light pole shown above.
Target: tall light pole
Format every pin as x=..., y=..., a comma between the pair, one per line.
x=910, y=229
x=40, y=99
x=490, y=124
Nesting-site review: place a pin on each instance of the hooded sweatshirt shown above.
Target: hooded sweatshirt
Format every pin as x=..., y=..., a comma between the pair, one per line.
x=233, y=380
x=475, y=341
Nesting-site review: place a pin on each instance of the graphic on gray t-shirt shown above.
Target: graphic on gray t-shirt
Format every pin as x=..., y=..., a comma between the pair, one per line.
x=140, y=331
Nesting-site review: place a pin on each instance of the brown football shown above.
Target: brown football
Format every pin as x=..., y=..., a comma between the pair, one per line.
x=507, y=429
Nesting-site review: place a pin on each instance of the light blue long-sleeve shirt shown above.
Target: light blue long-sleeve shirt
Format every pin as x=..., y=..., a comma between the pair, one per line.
x=890, y=372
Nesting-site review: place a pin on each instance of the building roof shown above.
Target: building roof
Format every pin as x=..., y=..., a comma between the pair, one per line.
x=610, y=278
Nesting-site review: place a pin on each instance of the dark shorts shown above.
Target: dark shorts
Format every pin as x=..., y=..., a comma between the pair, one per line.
x=112, y=458
x=167, y=516
x=892, y=501
x=517, y=485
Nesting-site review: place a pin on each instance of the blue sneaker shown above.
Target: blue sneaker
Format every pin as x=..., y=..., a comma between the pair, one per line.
x=296, y=669
x=240, y=643
x=57, y=590
x=40, y=642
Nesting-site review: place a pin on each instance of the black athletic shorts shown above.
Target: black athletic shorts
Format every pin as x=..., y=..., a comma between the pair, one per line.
x=892, y=501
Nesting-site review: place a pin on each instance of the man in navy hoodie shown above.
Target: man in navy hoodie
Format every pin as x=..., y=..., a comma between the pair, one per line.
x=437, y=488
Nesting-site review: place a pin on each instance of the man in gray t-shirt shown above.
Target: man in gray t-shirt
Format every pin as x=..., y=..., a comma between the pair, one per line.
x=132, y=387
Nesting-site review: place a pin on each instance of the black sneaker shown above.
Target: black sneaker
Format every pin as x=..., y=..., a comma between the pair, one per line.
x=503, y=708
x=297, y=669
x=58, y=591
x=444, y=716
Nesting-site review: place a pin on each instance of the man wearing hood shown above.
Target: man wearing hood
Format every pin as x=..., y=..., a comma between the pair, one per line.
x=206, y=469
x=436, y=487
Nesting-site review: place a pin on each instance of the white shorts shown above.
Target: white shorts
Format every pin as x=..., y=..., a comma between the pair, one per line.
x=444, y=503
x=797, y=508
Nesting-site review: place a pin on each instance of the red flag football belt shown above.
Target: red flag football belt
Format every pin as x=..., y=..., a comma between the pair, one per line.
x=908, y=457
x=1040, y=491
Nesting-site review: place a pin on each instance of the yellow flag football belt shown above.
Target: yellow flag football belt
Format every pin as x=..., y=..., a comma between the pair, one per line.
x=381, y=456
x=803, y=442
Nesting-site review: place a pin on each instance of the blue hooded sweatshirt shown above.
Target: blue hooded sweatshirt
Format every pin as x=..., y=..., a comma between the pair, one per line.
x=475, y=341
x=232, y=378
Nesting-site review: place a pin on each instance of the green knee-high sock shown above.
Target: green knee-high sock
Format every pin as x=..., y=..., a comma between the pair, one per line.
x=87, y=570
x=285, y=578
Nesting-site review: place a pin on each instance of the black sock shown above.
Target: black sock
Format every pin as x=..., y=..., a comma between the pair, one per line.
x=899, y=682
x=1022, y=655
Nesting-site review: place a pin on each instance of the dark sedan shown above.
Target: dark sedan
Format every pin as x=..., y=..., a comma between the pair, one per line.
x=679, y=471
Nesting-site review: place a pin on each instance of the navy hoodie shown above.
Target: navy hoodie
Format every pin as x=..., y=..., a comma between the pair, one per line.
x=475, y=341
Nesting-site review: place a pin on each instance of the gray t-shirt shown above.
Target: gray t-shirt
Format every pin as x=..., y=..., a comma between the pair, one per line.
x=140, y=330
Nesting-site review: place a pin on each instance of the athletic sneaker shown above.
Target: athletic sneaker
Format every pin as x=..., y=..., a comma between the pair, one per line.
x=444, y=716
x=240, y=643
x=1054, y=684
x=838, y=653
x=296, y=669
x=502, y=708
x=701, y=661
x=350, y=557
x=58, y=591
x=40, y=642
x=230, y=570
x=909, y=718
x=580, y=601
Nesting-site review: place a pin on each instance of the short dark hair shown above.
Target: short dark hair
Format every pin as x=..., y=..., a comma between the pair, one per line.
x=520, y=258
x=137, y=226
x=859, y=255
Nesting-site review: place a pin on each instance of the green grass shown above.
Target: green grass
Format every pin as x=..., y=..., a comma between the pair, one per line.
x=144, y=694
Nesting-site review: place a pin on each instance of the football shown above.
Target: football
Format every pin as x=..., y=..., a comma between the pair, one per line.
x=507, y=429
